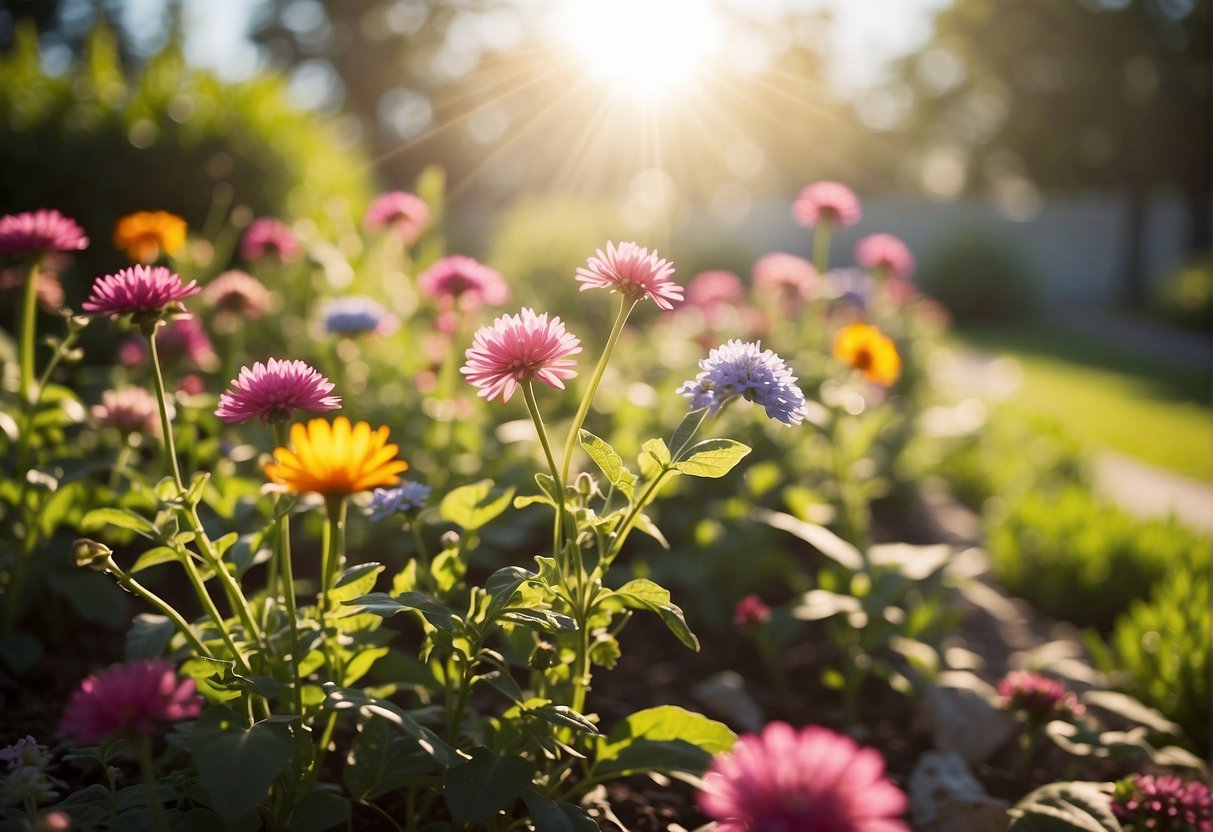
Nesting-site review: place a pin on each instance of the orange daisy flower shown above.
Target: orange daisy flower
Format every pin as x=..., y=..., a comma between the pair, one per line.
x=336, y=459
x=145, y=235
x=870, y=351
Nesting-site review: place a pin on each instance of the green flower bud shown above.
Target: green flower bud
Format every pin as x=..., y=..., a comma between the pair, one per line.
x=91, y=554
x=544, y=656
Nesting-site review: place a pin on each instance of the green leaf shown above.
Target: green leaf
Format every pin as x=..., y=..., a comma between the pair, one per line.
x=485, y=785
x=472, y=506
x=550, y=816
x=1132, y=710
x=819, y=537
x=355, y=581
x=545, y=621
x=318, y=811
x=237, y=766
x=664, y=739
x=657, y=450
x=1065, y=807
x=643, y=594
x=609, y=462
x=565, y=717
x=644, y=523
x=120, y=518
x=447, y=569
x=154, y=557
x=686, y=430
x=148, y=636
x=817, y=604
x=360, y=665
x=382, y=759
x=501, y=587
x=380, y=603
x=711, y=458
x=341, y=699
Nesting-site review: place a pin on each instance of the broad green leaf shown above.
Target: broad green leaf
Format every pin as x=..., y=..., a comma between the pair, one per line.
x=545, y=621
x=154, y=557
x=355, y=581
x=1132, y=710
x=485, y=785
x=472, y=506
x=343, y=699
x=644, y=523
x=381, y=759
x=643, y=594
x=237, y=766
x=120, y=518
x=565, y=717
x=318, y=811
x=664, y=739
x=1065, y=807
x=383, y=604
x=501, y=587
x=550, y=816
x=711, y=458
x=819, y=537
x=657, y=450
x=447, y=569
x=609, y=462
x=148, y=636
x=360, y=665
x=686, y=431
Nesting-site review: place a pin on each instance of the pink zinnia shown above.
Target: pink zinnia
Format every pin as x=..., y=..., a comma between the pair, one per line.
x=1038, y=697
x=830, y=202
x=130, y=410
x=275, y=389
x=238, y=293
x=519, y=348
x=464, y=280
x=812, y=780
x=266, y=237
x=184, y=341
x=633, y=272
x=714, y=288
x=405, y=214
x=792, y=279
x=137, y=290
x=884, y=251
x=37, y=232
x=138, y=697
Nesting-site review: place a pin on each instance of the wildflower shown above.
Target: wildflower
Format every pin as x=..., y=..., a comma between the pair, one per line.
x=405, y=215
x=1038, y=697
x=1164, y=803
x=870, y=351
x=138, y=697
x=137, y=290
x=47, y=287
x=464, y=281
x=237, y=293
x=751, y=612
x=791, y=278
x=887, y=253
x=408, y=496
x=37, y=232
x=146, y=235
x=714, y=288
x=274, y=390
x=184, y=342
x=828, y=202
x=811, y=780
x=517, y=349
x=25, y=752
x=191, y=384
x=267, y=237
x=356, y=315
x=633, y=272
x=336, y=460
x=132, y=410
x=745, y=369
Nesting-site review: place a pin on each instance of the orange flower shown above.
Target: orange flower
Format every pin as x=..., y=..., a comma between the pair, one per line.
x=337, y=459
x=145, y=235
x=870, y=351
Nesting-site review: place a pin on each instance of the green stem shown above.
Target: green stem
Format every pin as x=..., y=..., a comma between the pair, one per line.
x=282, y=554
x=528, y=393
x=621, y=533
x=144, y=745
x=166, y=425
x=424, y=578
x=29, y=324
x=330, y=563
x=163, y=606
x=821, y=244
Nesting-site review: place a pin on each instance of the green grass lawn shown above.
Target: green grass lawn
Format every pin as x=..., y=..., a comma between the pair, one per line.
x=1139, y=405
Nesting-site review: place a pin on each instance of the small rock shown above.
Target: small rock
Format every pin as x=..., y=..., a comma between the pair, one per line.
x=946, y=797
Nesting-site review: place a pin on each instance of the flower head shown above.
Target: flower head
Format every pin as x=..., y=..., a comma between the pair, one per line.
x=336, y=459
x=357, y=315
x=47, y=287
x=633, y=272
x=811, y=780
x=1164, y=803
x=713, y=288
x=184, y=342
x=37, y=232
x=238, y=293
x=751, y=612
x=745, y=369
x=138, y=697
x=885, y=252
x=267, y=237
x=830, y=202
x=130, y=410
x=407, y=497
x=137, y=290
x=1038, y=697
x=26, y=751
x=275, y=390
x=517, y=349
x=146, y=235
x=792, y=279
x=870, y=351
x=405, y=215
x=464, y=281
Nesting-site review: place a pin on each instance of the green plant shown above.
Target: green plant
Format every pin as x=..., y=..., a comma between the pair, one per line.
x=980, y=274
x=1186, y=298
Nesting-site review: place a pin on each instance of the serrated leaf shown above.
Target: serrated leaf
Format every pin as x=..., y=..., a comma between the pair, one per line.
x=485, y=785
x=711, y=458
x=472, y=506
x=609, y=462
x=664, y=739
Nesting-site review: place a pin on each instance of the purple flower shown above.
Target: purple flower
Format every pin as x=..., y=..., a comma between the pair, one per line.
x=267, y=237
x=405, y=215
x=138, y=697
x=811, y=780
x=1164, y=803
x=357, y=315
x=37, y=232
x=408, y=496
x=137, y=290
x=276, y=389
x=740, y=368
x=464, y=281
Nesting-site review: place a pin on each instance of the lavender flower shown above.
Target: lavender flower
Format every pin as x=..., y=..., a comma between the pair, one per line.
x=740, y=368
x=355, y=315
x=408, y=496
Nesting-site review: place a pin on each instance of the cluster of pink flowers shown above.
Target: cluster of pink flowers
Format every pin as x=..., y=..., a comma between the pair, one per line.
x=1164, y=803
x=140, y=697
x=1038, y=697
x=39, y=232
x=137, y=290
x=826, y=202
x=275, y=390
x=405, y=215
x=267, y=237
x=130, y=410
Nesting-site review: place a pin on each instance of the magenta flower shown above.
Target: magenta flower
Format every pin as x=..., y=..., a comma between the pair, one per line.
x=267, y=237
x=751, y=612
x=185, y=342
x=37, y=232
x=464, y=281
x=714, y=288
x=1038, y=697
x=138, y=697
x=633, y=272
x=517, y=349
x=886, y=252
x=274, y=390
x=130, y=410
x=1164, y=803
x=812, y=780
x=791, y=279
x=137, y=290
x=830, y=202
x=236, y=292
x=405, y=215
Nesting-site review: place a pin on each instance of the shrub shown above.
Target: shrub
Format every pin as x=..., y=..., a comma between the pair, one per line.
x=980, y=275
x=1186, y=298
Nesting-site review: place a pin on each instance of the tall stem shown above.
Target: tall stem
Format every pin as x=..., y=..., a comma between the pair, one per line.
x=166, y=425
x=144, y=745
x=333, y=553
x=821, y=244
x=282, y=554
x=159, y=603
x=528, y=393
x=29, y=324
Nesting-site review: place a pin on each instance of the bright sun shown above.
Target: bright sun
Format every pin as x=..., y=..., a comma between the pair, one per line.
x=645, y=47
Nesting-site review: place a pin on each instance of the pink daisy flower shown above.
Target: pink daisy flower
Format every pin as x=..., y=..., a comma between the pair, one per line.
x=519, y=348
x=884, y=251
x=274, y=390
x=184, y=341
x=1038, y=697
x=405, y=215
x=633, y=272
x=237, y=293
x=792, y=279
x=138, y=697
x=830, y=202
x=714, y=288
x=137, y=290
x=812, y=780
x=267, y=237
x=130, y=410
x=37, y=232
x=464, y=281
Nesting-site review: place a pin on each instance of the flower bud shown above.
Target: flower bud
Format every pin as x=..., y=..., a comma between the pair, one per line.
x=449, y=539
x=544, y=656
x=585, y=485
x=91, y=554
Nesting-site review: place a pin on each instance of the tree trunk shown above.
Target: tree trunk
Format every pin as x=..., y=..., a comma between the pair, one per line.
x=1133, y=272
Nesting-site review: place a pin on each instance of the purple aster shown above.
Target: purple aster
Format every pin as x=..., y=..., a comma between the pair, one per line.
x=408, y=496
x=357, y=314
x=745, y=369
x=37, y=232
x=266, y=237
x=137, y=290
x=405, y=215
x=275, y=389
x=1164, y=803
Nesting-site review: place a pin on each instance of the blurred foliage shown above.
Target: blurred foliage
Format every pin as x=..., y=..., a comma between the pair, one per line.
x=1084, y=561
x=980, y=274
x=1186, y=298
